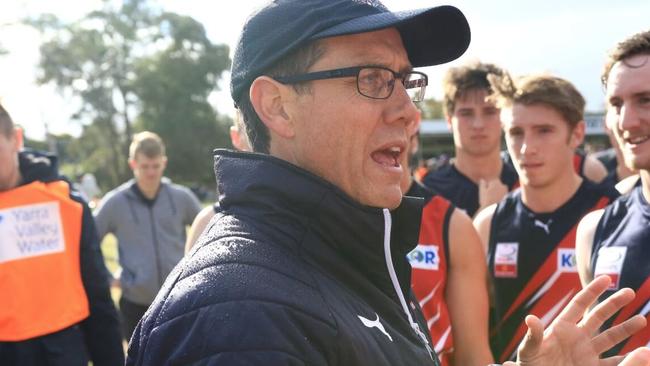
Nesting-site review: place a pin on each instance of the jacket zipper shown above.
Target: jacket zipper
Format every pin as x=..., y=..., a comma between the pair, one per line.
x=155, y=246
x=393, y=277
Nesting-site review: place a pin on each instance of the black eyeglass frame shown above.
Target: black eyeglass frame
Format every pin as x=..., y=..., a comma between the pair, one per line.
x=355, y=71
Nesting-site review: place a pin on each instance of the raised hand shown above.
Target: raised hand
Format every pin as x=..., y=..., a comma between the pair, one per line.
x=574, y=339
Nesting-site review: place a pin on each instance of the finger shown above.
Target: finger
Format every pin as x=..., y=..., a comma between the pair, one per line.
x=583, y=300
x=611, y=361
x=618, y=333
x=532, y=342
x=603, y=311
x=638, y=357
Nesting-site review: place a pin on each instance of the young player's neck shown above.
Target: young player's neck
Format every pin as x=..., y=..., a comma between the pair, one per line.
x=476, y=167
x=149, y=191
x=550, y=197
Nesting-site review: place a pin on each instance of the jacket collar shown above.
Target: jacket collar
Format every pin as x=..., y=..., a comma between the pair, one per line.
x=318, y=219
x=36, y=165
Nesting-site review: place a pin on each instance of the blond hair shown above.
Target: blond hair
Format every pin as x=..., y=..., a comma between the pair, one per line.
x=148, y=144
x=551, y=91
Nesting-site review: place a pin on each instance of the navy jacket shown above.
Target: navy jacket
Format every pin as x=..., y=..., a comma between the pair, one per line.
x=97, y=337
x=291, y=271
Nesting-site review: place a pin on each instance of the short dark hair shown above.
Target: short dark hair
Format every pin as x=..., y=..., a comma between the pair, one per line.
x=458, y=81
x=637, y=44
x=6, y=123
x=297, y=62
x=547, y=90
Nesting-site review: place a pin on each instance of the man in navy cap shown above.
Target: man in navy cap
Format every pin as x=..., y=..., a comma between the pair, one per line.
x=305, y=264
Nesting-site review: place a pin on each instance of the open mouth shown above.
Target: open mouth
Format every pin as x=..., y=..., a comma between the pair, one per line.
x=636, y=140
x=389, y=157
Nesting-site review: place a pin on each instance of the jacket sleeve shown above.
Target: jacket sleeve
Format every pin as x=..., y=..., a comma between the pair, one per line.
x=101, y=329
x=104, y=216
x=235, y=333
x=199, y=320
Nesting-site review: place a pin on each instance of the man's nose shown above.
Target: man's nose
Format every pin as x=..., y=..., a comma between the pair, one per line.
x=527, y=146
x=628, y=119
x=404, y=109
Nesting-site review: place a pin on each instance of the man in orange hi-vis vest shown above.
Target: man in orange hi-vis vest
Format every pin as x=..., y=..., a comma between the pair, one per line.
x=55, y=307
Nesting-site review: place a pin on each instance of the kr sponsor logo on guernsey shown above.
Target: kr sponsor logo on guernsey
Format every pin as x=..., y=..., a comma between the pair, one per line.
x=425, y=256
x=30, y=230
x=566, y=260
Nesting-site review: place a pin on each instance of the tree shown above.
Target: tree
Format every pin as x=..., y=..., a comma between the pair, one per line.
x=114, y=61
x=431, y=109
x=173, y=86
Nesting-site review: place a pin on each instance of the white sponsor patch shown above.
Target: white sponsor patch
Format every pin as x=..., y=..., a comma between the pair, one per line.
x=566, y=260
x=30, y=230
x=505, y=260
x=610, y=262
x=425, y=256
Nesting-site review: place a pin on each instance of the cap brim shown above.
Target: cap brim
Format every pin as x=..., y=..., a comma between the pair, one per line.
x=431, y=36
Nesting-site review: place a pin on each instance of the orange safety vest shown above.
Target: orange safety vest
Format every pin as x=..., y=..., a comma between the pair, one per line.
x=41, y=291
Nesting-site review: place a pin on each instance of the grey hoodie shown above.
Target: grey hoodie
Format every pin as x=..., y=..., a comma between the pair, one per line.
x=150, y=235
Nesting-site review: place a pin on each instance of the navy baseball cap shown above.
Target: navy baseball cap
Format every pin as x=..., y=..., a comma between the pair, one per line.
x=431, y=36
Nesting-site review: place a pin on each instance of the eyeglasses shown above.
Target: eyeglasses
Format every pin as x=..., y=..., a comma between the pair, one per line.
x=374, y=82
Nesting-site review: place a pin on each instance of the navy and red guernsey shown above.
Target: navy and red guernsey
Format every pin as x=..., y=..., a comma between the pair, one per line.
x=429, y=262
x=621, y=250
x=531, y=260
x=450, y=183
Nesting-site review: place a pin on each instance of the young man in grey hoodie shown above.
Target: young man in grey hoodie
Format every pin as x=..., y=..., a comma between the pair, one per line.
x=148, y=215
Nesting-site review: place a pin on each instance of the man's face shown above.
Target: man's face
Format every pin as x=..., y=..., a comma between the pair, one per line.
x=540, y=143
x=148, y=171
x=355, y=142
x=475, y=124
x=628, y=109
x=9, y=170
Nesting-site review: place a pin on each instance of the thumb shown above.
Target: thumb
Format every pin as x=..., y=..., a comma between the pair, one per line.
x=532, y=342
x=640, y=357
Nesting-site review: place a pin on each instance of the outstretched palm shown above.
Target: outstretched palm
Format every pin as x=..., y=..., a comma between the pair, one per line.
x=572, y=339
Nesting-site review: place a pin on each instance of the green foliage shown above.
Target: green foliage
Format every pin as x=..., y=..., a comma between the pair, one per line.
x=431, y=109
x=35, y=144
x=137, y=67
x=173, y=86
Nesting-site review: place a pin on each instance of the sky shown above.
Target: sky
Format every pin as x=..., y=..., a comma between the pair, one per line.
x=567, y=38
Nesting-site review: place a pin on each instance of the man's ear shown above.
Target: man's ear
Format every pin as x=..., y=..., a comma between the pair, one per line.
x=268, y=98
x=577, y=135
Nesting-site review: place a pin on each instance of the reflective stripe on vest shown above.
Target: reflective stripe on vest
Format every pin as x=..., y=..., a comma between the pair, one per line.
x=40, y=275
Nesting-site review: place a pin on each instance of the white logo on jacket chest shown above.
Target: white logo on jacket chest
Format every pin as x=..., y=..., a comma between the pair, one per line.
x=375, y=324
